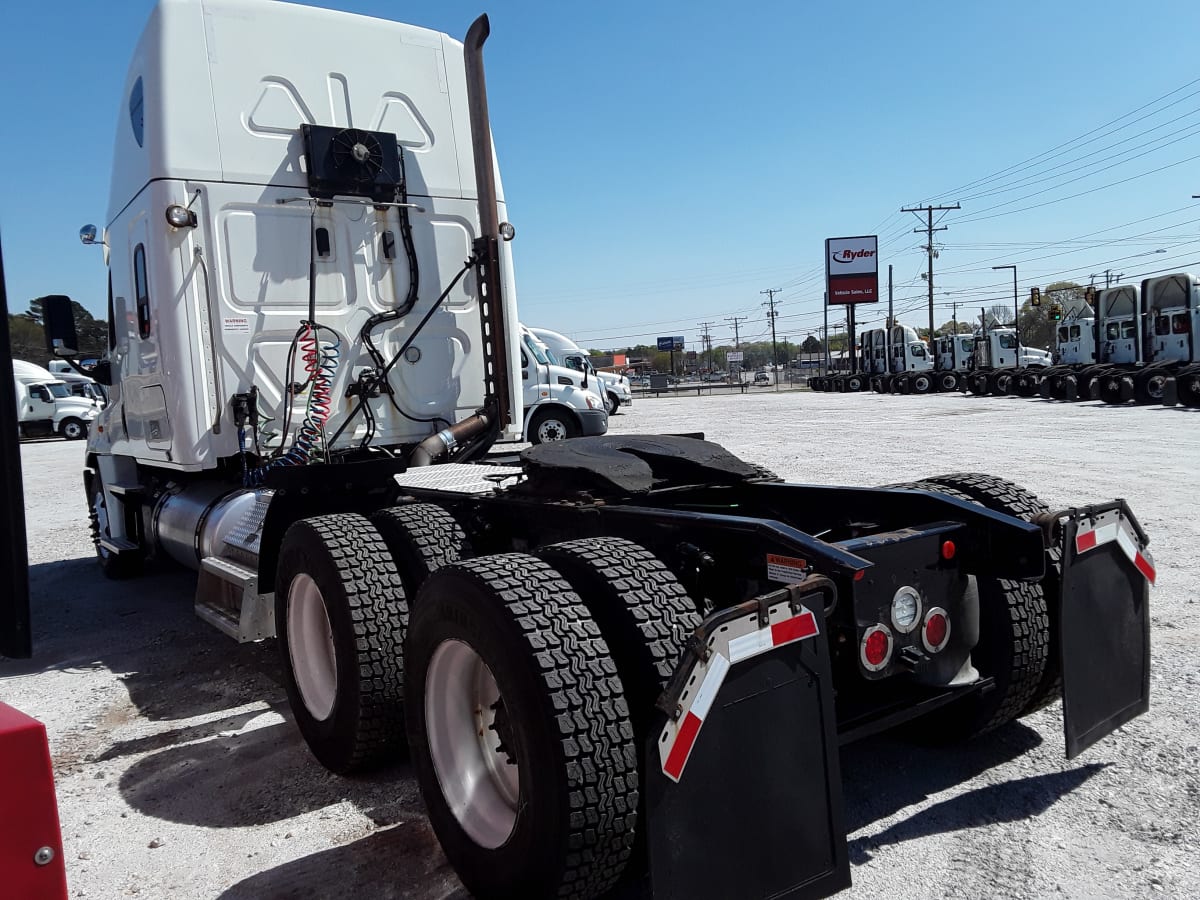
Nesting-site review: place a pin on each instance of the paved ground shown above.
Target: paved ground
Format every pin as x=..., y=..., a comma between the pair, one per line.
x=180, y=774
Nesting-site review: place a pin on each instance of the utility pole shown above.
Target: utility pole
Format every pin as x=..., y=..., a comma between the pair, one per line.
x=707, y=342
x=929, y=230
x=736, y=320
x=890, y=321
x=737, y=342
x=772, y=313
x=825, y=333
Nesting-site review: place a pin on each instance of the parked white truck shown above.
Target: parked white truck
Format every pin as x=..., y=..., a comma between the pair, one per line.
x=80, y=385
x=46, y=405
x=560, y=402
x=615, y=389
x=316, y=344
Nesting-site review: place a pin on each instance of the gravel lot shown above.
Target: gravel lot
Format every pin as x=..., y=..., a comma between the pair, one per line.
x=180, y=774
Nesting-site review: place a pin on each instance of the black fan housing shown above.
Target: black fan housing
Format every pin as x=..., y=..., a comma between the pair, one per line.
x=352, y=162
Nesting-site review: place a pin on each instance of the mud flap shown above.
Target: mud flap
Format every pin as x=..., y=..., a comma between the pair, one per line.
x=1104, y=623
x=744, y=793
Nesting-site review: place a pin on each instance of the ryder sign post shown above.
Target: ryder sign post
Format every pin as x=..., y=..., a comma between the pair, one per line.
x=852, y=269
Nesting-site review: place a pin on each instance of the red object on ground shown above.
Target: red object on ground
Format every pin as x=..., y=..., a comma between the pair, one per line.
x=31, y=854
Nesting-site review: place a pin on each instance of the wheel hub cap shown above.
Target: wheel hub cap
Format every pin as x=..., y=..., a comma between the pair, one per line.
x=310, y=647
x=471, y=742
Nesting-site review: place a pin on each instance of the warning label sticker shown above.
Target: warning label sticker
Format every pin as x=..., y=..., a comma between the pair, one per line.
x=236, y=324
x=787, y=569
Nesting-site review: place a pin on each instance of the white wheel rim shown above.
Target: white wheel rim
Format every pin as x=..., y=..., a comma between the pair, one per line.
x=310, y=646
x=480, y=786
x=551, y=430
x=72, y=430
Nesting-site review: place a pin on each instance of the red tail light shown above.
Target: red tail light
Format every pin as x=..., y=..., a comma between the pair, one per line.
x=876, y=648
x=936, y=630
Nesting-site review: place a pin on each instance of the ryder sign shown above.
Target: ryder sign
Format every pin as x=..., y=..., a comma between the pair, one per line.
x=852, y=269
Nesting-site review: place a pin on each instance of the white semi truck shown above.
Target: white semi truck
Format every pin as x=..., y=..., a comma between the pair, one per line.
x=1137, y=342
x=560, y=402
x=1001, y=364
x=79, y=384
x=615, y=388
x=46, y=405
x=316, y=345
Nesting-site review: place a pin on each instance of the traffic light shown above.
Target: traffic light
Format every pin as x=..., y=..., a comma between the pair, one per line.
x=1035, y=296
x=1056, y=313
x=1090, y=295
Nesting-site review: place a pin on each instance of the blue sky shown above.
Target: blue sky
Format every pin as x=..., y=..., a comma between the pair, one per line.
x=665, y=162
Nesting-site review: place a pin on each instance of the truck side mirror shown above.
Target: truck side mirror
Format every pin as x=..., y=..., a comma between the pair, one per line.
x=101, y=373
x=59, y=319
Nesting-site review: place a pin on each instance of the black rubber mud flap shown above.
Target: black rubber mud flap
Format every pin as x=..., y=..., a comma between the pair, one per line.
x=1105, y=623
x=744, y=791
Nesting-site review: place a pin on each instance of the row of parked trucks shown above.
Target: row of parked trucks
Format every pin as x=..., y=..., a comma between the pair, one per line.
x=1133, y=343
x=616, y=661
x=896, y=360
x=1140, y=344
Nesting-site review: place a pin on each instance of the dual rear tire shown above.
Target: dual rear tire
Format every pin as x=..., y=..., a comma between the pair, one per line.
x=523, y=685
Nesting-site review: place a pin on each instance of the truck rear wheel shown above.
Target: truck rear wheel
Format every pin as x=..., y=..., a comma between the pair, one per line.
x=643, y=612
x=421, y=537
x=1188, y=385
x=1116, y=387
x=645, y=616
x=1004, y=496
x=1026, y=384
x=1012, y=650
x=340, y=619
x=1151, y=386
x=552, y=424
x=521, y=737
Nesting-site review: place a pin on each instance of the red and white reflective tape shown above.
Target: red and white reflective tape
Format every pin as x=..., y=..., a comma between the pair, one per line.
x=1116, y=530
x=761, y=640
x=735, y=642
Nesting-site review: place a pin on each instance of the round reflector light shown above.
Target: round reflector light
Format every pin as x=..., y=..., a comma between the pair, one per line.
x=936, y=632
x=876, y=648
x=948, y=550
x=906, y=609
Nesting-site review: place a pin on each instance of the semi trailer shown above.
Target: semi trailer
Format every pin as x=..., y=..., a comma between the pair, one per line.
x=582, y=645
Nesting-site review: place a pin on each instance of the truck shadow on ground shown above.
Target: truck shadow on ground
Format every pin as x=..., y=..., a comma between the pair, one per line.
x=145, y=631
x=1009, y=801
x=400, y=863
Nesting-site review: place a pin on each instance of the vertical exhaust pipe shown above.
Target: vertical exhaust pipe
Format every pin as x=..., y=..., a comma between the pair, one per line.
x=487, y=245
x=476, y=433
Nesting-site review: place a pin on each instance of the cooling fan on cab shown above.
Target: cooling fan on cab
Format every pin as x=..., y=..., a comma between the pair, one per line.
x=352, y=162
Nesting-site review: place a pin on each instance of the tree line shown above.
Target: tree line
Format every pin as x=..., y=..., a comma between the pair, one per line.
x=27, y=334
